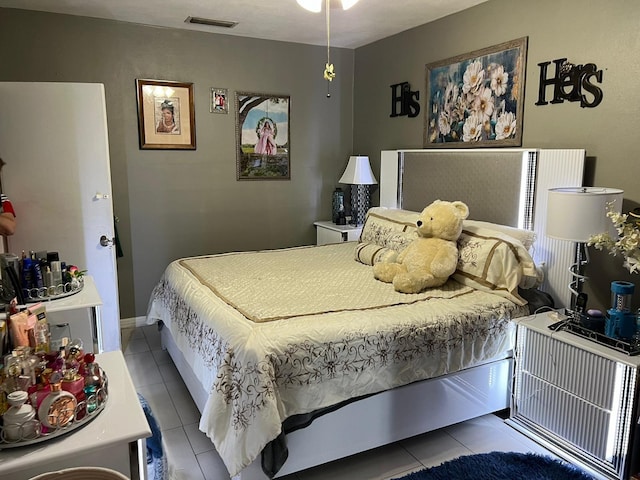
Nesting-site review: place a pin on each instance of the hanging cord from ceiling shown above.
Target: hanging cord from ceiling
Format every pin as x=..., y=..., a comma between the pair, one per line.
x=329, y=73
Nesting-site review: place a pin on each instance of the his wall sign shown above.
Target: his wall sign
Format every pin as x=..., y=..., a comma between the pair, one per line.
x=570, y=83
x=401, y=94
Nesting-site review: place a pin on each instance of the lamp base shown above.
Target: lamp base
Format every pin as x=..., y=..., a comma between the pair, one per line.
x=360, y=203
x=578, y=299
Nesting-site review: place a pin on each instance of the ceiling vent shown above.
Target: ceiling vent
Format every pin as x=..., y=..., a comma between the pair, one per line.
x=211, y=23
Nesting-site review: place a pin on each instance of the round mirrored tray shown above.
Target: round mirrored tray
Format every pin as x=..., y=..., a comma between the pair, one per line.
x=53, y=292
x=33, y=431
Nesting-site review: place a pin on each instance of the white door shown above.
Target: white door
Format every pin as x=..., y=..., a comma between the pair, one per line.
x=53, y=138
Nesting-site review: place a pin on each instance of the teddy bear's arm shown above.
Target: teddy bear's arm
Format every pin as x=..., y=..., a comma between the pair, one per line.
x=445, y=261
x=402, y=254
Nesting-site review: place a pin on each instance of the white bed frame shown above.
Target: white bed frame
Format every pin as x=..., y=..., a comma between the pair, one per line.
x=380, y=419
x=422, y=406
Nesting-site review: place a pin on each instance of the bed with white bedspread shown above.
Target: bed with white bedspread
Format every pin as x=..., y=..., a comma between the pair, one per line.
x=294, y=352
x=263, y=337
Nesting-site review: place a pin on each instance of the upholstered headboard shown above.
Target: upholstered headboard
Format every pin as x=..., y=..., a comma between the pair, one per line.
x=506, y=186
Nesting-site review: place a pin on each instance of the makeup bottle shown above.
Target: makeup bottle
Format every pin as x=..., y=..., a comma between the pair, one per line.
x=38, y=280
x=48, y=281
x=56, y=273
x=27, y=273
x=59, y=407
x=74, y=384
x=93, y=383
x=40, y=391
x=19, y=423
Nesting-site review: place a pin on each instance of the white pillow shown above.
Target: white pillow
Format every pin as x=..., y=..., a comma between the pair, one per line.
x=494, y=262
x=526, y=237
x=385, y=233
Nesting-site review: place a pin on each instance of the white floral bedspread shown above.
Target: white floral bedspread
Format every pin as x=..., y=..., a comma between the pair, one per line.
x=260, y=373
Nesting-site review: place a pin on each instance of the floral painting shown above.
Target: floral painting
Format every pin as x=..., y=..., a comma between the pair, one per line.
x=476, y=99
x=262, y=136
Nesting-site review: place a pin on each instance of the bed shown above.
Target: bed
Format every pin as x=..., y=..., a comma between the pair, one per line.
x=292, y=370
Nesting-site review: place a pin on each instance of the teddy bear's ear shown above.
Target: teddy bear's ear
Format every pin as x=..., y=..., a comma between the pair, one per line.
x=461, y=207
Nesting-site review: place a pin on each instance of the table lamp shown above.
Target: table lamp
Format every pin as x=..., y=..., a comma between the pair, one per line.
x=359, y=175
x=575, y=214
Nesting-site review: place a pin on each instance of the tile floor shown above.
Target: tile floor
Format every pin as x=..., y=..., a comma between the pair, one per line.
x=193, y=456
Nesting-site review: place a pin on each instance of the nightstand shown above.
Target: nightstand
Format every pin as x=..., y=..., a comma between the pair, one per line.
x=329, y=232
x=576, y=397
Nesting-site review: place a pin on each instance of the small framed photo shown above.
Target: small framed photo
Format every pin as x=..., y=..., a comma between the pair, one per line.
x=166, y=116
x=219, y=103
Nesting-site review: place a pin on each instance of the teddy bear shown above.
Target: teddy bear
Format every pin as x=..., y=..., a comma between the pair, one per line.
x=430, y=259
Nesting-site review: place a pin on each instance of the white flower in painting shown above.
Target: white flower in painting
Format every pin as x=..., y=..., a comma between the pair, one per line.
x=483, y=103
x=505, y=126
x=458, y=109
x=472, y=128
x=450, y=95
x=444, y=125
x=473, y=77
x=499, y=79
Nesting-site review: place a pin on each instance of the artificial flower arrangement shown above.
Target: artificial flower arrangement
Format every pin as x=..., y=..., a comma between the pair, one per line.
x=75, y=277
x=628, y=242
x=75, y=272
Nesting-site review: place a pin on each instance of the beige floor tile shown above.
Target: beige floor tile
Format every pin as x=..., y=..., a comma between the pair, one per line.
x=378, y=464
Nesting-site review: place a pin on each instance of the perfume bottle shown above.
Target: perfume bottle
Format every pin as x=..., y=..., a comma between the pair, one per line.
x=58, y=408
x=74, y=384
x=19, y=419
x=93, y=383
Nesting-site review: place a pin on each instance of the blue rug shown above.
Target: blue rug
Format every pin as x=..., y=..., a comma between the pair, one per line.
x=501, y=466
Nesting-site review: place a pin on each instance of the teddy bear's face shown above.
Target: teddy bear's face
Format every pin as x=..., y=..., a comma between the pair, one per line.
x=442, y=220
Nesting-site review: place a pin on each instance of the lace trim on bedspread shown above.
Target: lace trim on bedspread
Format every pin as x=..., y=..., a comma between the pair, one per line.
x=202, y=339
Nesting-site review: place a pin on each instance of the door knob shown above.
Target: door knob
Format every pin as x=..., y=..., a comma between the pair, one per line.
x=105, y=241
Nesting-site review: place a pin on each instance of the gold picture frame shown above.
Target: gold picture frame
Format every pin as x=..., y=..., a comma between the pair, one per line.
x=166, y=115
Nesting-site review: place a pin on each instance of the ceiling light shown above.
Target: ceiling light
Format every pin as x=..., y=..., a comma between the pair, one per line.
x=347, y=4
x=311, y=5
x=316, y=5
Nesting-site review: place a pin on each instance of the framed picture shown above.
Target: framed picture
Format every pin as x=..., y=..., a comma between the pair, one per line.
x=219, y=102
x=262, y=136
x=476, y=99
x=166, y=117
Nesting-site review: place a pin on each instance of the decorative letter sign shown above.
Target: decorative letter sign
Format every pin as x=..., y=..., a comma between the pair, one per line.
x=570, y=83
x=407, y=99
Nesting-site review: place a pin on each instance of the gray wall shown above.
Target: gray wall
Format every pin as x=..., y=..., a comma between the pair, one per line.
x=603, y=32
x=211, y=212
x=179, y=203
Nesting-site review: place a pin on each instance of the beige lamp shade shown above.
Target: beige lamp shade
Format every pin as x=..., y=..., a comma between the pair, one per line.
x=577, y=213
x=358, y=172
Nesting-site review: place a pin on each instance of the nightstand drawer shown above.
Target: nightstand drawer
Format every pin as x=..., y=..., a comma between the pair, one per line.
x=568, y=367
